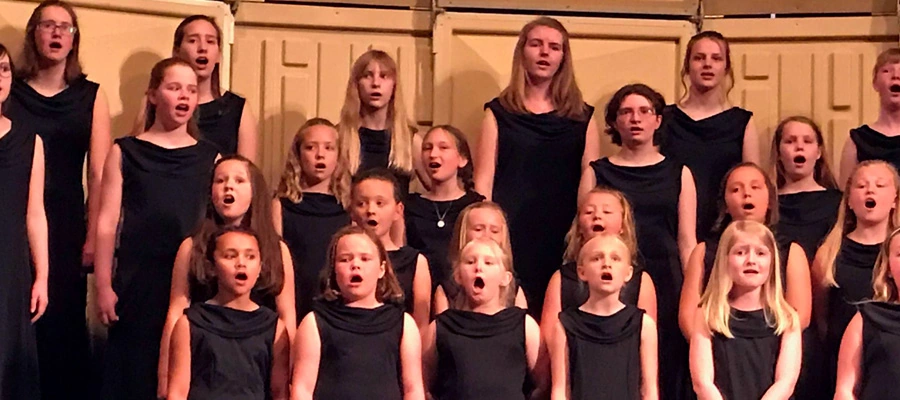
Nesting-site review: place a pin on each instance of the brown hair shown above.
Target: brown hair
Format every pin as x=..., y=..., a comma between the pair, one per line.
x=575, y=240
x=378, y=174
x=292, y=178
x=564, y=91
x=179, y=37
x=615, y=103
x=388, y=289
x=465, y=174
x=725, y=219
x=157, y=74
x=5, y=52
x=822, y=172
x=208, y=262
x=258, y=219
x=401, y=134
x=686, y=65
x=30, y=54
x=889, y=56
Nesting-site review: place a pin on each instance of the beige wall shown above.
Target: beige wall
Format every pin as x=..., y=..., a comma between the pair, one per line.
x=120, y=42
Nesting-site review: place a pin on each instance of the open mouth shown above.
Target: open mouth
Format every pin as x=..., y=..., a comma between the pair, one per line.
x=241, y=276
x=55, y=45
x=228, y=199
x=751, y=272
x=479, y=283
x=709, y=75
x=606, y=276
x=202, y=61
x=895, y=88
x=375, y=96
x=543, y=63
x=182, y=107
x=636, y=129
x=870, y=203
x=434, y=165
x=799, y=159
x=748, y=206
x=598, y=228
x=356, y=278
x=320, y=165
x=372, y=223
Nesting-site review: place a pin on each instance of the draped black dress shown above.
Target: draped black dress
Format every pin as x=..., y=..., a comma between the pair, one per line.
x=307, y=228
x=64, y=122
x=375, y=152
x=164, y=192
x=220, y=120
x=880, y=350
x=709, y=147
x=536, y=182
x=874, y=145
x=19, y=378
x=745, y=364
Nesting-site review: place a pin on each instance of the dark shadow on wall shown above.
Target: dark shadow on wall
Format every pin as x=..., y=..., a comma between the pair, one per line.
x=275, y=136
x=134, y=77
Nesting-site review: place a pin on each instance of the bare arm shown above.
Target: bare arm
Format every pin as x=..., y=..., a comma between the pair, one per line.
x=36, y=228
x=99, y=148
x=285, y=303
x=798, y=292
x=552, y=307
x=647, y=296
x=441, y=303
x=248, y=136
x=179, y=300
x=588, y=181
x=180, y=362
x=559, y=361
x=421, y=293
x=281, y=363
x=486, y=156
x=591, y=144
x=787, y=368
x=418, y=165
x=429, y=355
x=701, y=360
x=411, y=361
x=687, y=216
x=306, y=359
x=819, y=292
x=848, y=162
x=538, y=359
x=849, y=369
x=649, y=360
x=277, y=217
x=521, y=300
x=751, y=143
x=107, y=222
x=690, y=291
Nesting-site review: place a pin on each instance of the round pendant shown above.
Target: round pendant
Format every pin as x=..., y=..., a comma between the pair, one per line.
x=440, y=224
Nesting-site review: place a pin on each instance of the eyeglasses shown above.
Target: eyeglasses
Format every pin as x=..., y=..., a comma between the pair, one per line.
x=50, y=26
x=5, y=70
x=642, y=111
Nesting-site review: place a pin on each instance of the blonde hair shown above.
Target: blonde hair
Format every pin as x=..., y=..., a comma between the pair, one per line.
x=575, y=239
x=728, y=82
x=459, y=240
x=822, y=170
x=292, y=178
x=883, y=284
x=564, y=92
x=507, y=293
x=889, y=56
x=846, y=221
x=714, y=305
x=401, y=134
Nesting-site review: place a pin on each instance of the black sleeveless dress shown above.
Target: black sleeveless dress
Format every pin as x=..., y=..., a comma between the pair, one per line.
x=425, y=233
x=308, y=227
x=404, y=262
x=745, y=365
x=536, y=183
x=19, y=376
x=874, y=145
x=709, y=147
x=806, y=218
x=64, y=122
x=375, y=152
x=231, y=352
x=164, y=192
x=220, y=120
x=880, y=350
x=853, y=268
x=573, y=292
x=481, y=356
x=360, y=355
x=604, y=353
x=654, y=192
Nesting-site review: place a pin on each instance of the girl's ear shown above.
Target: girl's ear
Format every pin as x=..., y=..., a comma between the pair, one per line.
x=630, y=273
x=463, y=161
x=581, y=274
x=507, y=279
x=381, y=269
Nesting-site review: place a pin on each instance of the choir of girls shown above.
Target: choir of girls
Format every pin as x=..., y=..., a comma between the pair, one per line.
x=528, y=268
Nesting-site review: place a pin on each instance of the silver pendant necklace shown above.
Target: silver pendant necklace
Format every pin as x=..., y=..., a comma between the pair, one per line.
x=441, y=223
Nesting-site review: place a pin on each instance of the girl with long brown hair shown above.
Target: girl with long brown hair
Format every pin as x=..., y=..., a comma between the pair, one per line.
x=536, y=138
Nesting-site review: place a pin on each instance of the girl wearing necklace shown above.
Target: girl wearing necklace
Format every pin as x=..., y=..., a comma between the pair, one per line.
x=431, y=216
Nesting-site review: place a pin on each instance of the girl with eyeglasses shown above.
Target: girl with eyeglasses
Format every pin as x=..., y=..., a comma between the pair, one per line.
x=52, y=97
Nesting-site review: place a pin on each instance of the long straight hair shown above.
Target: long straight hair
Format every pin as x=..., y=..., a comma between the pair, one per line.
x=31, y=57
x=821, y=172
x=400, y=157
x=157, y=74
x=846, y=220
x=179, y=37
x=714, y=303
x=564, y=92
